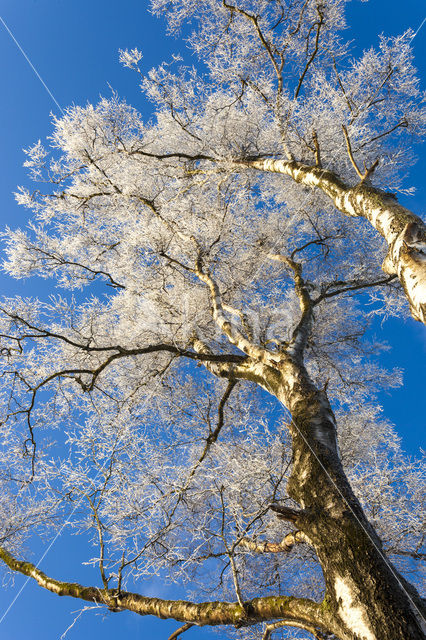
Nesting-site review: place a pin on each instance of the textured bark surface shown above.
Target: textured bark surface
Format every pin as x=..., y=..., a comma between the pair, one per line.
x=404, y=232
x=367, y=598
x=201, y=613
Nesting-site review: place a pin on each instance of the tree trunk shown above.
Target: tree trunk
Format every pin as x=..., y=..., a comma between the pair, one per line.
x=366, y=596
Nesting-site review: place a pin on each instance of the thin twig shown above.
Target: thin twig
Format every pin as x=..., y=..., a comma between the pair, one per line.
x=175, y=635
x=314, y=53
x=354, y=287
x=213, y=436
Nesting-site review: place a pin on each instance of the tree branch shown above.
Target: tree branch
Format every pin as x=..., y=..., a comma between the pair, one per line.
x=317, y=149
x=203, y=613
x=270, y=628
x=404, y=232
x=355, y=287
x=254, y=20
x=314, y=53
x=175, y=635
x=300, y=335
x=233, y=334
x=286, y=513
x=367, y=173
x=213, y=436
x=122, y=351
x=416, y=555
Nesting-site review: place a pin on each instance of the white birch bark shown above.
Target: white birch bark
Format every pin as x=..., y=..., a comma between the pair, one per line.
x=404, y=232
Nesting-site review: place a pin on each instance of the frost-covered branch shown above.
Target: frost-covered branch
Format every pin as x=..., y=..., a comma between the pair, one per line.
x=229, y=329
x=297, y=344
x=404, y=232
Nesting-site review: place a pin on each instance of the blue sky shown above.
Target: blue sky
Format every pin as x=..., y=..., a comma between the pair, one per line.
x=74, y=47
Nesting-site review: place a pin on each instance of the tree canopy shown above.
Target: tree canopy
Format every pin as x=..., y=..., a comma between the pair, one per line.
x=201, y=396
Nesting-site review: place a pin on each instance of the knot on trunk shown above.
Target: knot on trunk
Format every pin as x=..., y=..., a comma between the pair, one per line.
x=287, y=513
x=409, y=245
x=414, y=241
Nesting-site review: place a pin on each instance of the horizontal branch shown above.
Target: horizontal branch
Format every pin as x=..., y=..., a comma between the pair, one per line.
x=121, y=351
x=286, y=544
x=288, y=622
x=202, y=613
x=166, y=156
x=226, y=358
x=346, y=286
x=62, y=262
x=416, y=555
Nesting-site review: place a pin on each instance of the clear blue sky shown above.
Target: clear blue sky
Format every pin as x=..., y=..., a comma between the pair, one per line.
x=74, y=47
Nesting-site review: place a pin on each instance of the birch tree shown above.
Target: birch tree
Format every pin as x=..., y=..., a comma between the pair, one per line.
x=201, y=397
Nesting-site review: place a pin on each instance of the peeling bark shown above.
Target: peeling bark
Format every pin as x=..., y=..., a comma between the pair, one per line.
x=404, y=232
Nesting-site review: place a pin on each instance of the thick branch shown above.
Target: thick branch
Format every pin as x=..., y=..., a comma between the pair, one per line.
x=203, y=613
x=301, y=332
x=404, y=232
x=286, y=513
x=233, y=334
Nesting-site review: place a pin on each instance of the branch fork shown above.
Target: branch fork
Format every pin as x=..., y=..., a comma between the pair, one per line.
x=368, y=170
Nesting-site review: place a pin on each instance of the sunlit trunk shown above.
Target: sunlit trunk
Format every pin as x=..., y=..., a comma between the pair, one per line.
x=365, y=595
